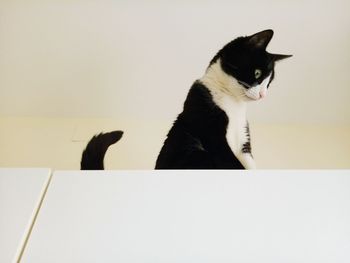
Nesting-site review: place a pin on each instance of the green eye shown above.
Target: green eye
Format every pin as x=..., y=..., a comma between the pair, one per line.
x=257, y=73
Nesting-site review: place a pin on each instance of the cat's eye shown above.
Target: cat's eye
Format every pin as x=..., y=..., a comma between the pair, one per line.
x=257, y=73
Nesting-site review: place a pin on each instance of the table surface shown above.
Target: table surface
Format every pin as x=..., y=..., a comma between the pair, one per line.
x=21, y=191
x=194, y=216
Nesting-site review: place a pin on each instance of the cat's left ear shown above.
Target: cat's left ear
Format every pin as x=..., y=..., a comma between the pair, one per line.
x=277, y=57
x=261, y=40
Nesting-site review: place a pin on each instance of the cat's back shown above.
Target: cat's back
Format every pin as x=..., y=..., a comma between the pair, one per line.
x=184, y=147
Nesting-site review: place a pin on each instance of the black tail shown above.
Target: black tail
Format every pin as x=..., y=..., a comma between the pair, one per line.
x=94, y=153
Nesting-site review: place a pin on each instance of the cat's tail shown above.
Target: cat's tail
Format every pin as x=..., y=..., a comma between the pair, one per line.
x=94, y=153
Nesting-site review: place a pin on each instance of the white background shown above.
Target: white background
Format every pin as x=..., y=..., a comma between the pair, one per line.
x=139, y=58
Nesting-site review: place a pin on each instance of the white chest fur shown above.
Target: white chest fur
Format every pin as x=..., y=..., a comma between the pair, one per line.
x=236, y=130
x=227, y=94
x=236, y=133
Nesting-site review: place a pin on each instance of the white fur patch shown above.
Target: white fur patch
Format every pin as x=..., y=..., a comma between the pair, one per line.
x=230, y=96
x=258, y=91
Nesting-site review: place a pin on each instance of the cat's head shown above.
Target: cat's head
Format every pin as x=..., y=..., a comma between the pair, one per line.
x=251, y=66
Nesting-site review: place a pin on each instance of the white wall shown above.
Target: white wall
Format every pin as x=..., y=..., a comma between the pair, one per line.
x=139, y=58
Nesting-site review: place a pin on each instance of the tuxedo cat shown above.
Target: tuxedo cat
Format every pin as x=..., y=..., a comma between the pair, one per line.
x=212, y=131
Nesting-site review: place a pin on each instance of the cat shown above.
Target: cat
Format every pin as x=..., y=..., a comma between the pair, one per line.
x=212, y=131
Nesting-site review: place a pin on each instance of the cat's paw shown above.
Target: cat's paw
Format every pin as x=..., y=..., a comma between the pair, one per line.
x=247, y=161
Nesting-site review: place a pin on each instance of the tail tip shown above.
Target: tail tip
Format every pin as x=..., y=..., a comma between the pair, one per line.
x=115, y=136
x=93, y=155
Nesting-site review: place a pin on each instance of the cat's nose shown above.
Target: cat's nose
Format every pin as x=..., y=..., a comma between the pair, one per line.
x=262, y=94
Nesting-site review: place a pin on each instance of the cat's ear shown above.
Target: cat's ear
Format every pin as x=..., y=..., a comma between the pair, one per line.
x=261, y=39
x=277, y=57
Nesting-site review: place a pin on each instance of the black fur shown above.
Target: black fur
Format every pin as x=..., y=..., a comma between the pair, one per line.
x=246, y=146
x=94, y=153
x=242, y=56
x=197, y=139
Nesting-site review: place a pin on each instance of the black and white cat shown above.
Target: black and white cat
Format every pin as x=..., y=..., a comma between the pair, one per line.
x=212, y=131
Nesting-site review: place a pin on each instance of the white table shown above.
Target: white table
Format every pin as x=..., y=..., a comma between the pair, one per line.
x=194, y=216
x=21, y=191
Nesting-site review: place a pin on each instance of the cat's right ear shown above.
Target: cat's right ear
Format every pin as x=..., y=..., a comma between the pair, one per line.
x=277, y=57
x=261, y=40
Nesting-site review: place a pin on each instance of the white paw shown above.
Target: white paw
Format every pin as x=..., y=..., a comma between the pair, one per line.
x=247, y=161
